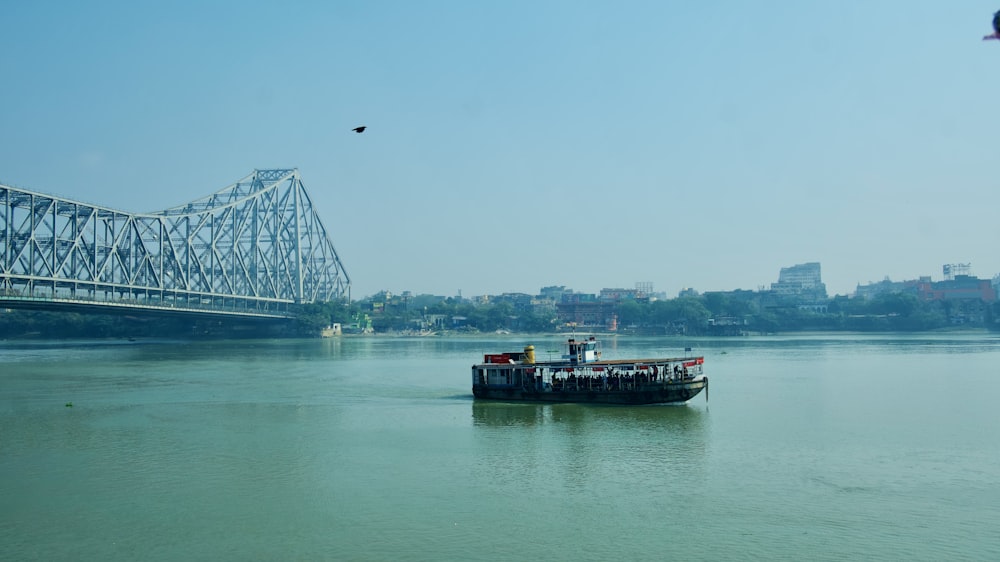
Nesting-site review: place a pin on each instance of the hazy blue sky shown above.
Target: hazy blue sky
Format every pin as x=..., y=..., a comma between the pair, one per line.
x=514, y=145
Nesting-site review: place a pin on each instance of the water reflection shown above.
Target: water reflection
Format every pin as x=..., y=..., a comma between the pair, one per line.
x=685, y=417
x=505, y=414
x=577, y=447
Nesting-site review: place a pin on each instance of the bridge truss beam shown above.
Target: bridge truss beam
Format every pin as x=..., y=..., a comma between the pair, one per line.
x=257, y=245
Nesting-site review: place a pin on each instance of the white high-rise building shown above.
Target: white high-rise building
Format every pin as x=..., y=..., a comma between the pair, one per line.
x=802, y=280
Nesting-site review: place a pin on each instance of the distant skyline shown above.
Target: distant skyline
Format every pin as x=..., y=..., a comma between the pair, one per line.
x=516, y=145
x=939, y=276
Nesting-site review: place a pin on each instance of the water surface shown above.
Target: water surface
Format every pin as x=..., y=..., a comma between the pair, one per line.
x=811, y=447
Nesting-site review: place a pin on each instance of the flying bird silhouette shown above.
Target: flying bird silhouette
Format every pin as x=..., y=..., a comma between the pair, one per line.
x=359, y=129
x=996, y=28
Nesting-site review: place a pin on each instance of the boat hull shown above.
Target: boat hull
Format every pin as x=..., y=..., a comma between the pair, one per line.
x=666, y=393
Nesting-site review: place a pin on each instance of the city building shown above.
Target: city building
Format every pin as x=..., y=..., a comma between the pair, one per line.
x=964, y=297
x=888, y=287
x=802, y=283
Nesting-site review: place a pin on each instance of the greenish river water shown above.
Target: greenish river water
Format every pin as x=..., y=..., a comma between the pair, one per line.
x=809, y=448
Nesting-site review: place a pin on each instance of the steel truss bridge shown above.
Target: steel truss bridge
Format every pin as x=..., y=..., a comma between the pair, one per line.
x=254, y=249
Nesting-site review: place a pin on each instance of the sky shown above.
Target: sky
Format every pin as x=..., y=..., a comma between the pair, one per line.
x=520, y=144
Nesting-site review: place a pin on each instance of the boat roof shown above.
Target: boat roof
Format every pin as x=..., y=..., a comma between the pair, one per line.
x=602, y=362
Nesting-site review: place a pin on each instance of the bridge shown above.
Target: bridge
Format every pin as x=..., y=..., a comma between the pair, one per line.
x=252, y=250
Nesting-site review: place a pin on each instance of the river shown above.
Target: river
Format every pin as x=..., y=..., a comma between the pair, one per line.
x=818, y=447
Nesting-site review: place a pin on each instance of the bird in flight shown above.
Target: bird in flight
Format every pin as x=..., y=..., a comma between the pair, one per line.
x=360, y=129
x=996, y=28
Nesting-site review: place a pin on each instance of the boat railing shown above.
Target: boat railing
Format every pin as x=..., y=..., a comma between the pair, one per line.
x=619, y=382
x=600, y=378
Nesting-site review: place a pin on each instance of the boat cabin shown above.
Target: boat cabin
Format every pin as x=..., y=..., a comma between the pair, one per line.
x=584, y=351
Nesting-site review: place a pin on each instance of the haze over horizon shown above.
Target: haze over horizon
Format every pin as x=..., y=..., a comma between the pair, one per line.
x=517, y=145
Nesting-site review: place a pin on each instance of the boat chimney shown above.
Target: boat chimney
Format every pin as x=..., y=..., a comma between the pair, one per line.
x=529, y=354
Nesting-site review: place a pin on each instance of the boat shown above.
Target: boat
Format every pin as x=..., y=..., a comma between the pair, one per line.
x=582, y=376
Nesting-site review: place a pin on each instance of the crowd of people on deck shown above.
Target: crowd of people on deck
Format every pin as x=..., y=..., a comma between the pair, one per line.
x=615, y=380
x=595, y=378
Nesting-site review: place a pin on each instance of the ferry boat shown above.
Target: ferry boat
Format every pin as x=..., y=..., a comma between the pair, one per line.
x=582, y=376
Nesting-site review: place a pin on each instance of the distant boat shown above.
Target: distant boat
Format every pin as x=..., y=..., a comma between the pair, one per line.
x=582, y=376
